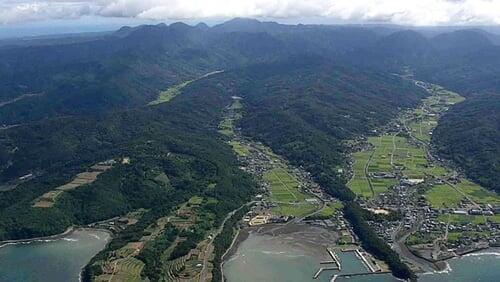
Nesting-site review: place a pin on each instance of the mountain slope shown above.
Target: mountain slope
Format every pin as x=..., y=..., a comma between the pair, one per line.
x=469, y=135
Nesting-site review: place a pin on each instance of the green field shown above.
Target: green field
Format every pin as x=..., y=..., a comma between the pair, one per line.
x=226, y=127
x=421, y=128
x=330, y=209
x=359, y=183
x=239, y=148
x=381, y=160
x=389, y=152
x=285, y=193
x=236, y=105
x=170, y=93
x=443, y=196
x=477, y=193
x=195, y=200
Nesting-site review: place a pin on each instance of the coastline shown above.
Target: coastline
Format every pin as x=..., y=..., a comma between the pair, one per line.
x=68, y=231
x=99, y=235
x=54, y=237
x=444, y=266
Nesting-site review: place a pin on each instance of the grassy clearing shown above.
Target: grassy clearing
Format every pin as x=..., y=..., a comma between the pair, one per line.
x=170, y=93
x=236, y=105
x=381, y=159
x=195, y=200
x=382, y=185
x=443, y=196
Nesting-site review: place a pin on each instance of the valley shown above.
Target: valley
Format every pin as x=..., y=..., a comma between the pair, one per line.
x=251, y=151
x=398, y=168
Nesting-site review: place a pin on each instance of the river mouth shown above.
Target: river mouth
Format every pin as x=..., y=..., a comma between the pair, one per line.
x=52, y=260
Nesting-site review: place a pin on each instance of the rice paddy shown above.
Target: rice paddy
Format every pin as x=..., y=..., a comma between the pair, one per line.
x=443, y=196
x=286, y=194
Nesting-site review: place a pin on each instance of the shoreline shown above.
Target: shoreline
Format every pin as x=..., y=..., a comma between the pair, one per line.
x=443, y=266
x=60, y=236
x=440, y=266
x=54, y=237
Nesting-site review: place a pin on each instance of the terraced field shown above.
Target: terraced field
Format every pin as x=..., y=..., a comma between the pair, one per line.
x=124, y=270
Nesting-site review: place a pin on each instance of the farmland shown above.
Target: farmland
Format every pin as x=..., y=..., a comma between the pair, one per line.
x=443, y=196
x=48, y=199
x=285, y=185
x=168, y=241
x=286, y=193
x=394, y=152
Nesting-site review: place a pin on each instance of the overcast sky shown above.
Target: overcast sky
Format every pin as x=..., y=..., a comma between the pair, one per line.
x=405, y=12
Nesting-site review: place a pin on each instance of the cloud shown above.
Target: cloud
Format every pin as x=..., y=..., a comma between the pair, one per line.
x=411, y=12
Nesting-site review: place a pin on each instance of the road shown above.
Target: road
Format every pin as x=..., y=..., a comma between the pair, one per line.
x=399, y=237
x=209, y=248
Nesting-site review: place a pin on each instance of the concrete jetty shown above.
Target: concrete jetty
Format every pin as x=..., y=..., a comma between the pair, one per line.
x=357, y=274
x=335, y=260
x=365, y=261
x=318, y=273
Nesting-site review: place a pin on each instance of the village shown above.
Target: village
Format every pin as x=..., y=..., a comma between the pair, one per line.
x=289, y=199
x=439, y=213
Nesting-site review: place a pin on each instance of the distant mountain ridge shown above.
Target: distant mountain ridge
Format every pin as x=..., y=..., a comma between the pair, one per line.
x=129, y=67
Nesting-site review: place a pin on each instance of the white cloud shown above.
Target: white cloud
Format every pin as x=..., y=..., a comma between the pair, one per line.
x=413, y=12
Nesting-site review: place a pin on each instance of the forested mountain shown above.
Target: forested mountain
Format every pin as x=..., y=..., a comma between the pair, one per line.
x=306, y=89
x=175, y=139
x=469, y=135
x=127, y=68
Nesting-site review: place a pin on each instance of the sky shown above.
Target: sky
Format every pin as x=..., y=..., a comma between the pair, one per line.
x=18, y=16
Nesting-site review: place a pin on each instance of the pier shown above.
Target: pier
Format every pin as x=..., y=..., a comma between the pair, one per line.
x=365, y=261
x=335, y=260
x=318, y=273
x=357, y=274
x=360, y=255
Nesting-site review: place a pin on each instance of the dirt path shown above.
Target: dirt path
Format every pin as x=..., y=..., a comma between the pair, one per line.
x=367, y=174
x=18, y=98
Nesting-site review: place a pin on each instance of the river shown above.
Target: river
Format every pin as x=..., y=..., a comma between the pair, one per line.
x=51, y=260
x=262, y=258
